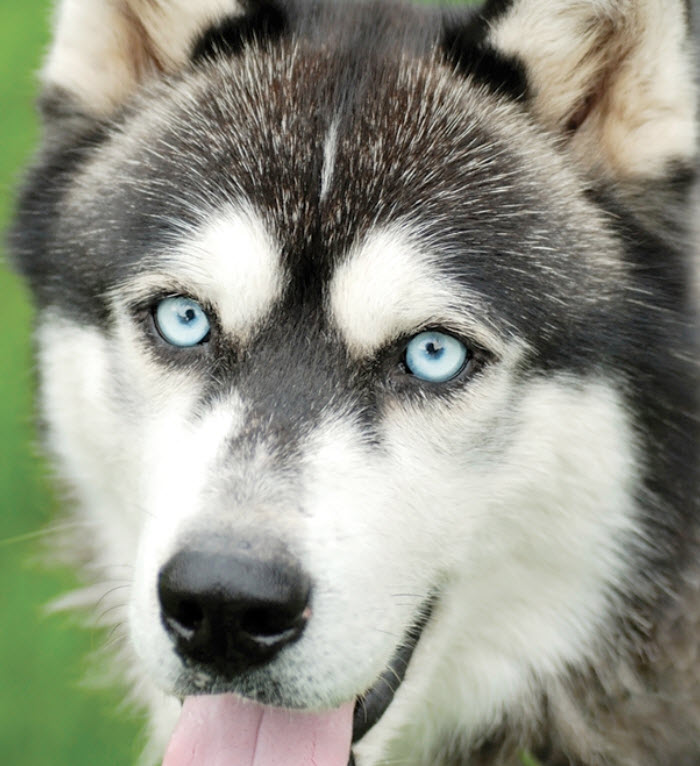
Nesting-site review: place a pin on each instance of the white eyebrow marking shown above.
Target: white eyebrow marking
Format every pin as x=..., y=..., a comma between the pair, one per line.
x=390, y=285
x=231, y=260
x=330, y=149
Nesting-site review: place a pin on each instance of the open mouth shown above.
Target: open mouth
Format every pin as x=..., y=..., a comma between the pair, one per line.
x=217, y=730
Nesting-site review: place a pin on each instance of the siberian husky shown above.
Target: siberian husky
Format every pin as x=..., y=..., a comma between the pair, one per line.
x=368, y=345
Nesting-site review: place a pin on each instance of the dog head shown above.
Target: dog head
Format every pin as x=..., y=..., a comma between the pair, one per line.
x=342, y=341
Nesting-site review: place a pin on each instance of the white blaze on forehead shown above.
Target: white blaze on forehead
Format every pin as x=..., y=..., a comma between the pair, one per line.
x=390, y=285
x=330, y=149
x=231, y=261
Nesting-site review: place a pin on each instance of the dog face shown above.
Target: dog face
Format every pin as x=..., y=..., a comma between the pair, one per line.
x=330, y=347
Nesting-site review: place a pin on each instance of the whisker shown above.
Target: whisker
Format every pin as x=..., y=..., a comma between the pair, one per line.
x=113, y=637
x=102, y=617
x=109, y=592
x=44, y=532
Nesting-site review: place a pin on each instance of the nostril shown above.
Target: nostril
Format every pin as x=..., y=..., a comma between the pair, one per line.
x=259, y=622
x=184, y=616
x=269, y=626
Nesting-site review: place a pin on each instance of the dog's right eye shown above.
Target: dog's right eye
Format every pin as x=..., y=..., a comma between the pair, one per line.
x=182, y=322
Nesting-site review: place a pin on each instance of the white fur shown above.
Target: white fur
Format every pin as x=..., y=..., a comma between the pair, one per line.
x=76, y=367
x=528, y=553
x=232, y=253
x=633, y=57
x=104, y=49
x=330, y=149
x=388, y=285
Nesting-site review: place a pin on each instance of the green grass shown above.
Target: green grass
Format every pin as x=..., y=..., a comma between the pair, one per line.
x=46, y=717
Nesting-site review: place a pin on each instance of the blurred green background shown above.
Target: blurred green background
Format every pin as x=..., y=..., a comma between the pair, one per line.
x=48, y=715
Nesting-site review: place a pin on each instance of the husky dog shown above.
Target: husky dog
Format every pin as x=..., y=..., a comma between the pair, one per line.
x=368, y=346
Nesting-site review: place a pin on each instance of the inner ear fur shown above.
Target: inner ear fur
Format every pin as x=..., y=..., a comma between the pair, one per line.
x=613, y=78
x=103, y=50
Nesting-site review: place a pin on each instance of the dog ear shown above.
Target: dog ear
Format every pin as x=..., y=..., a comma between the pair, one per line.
x=104, y=49
x=614, y=78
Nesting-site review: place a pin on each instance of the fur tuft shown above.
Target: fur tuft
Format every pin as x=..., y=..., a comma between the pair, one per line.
x=613, y=77
x=104, y=50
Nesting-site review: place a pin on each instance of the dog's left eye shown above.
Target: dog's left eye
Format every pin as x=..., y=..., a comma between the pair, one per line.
x=182, y=322
x=435, y=357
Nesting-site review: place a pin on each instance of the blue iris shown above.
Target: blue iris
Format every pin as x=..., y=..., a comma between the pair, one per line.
x=435, y=356
x=182, y=322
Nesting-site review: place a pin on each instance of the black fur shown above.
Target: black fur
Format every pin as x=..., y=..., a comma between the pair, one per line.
x=72, y=137
x=467, y=49
x=264, y=21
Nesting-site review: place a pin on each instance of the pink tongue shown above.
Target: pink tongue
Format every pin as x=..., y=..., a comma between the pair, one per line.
x=226, y=730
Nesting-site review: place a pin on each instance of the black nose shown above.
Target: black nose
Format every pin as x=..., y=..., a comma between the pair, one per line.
x=231, y=612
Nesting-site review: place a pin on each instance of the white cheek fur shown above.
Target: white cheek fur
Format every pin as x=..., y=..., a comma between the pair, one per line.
x=534, y=540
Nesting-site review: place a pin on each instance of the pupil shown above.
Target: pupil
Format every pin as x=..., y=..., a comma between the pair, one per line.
x=433, y=349
x=189, y=315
